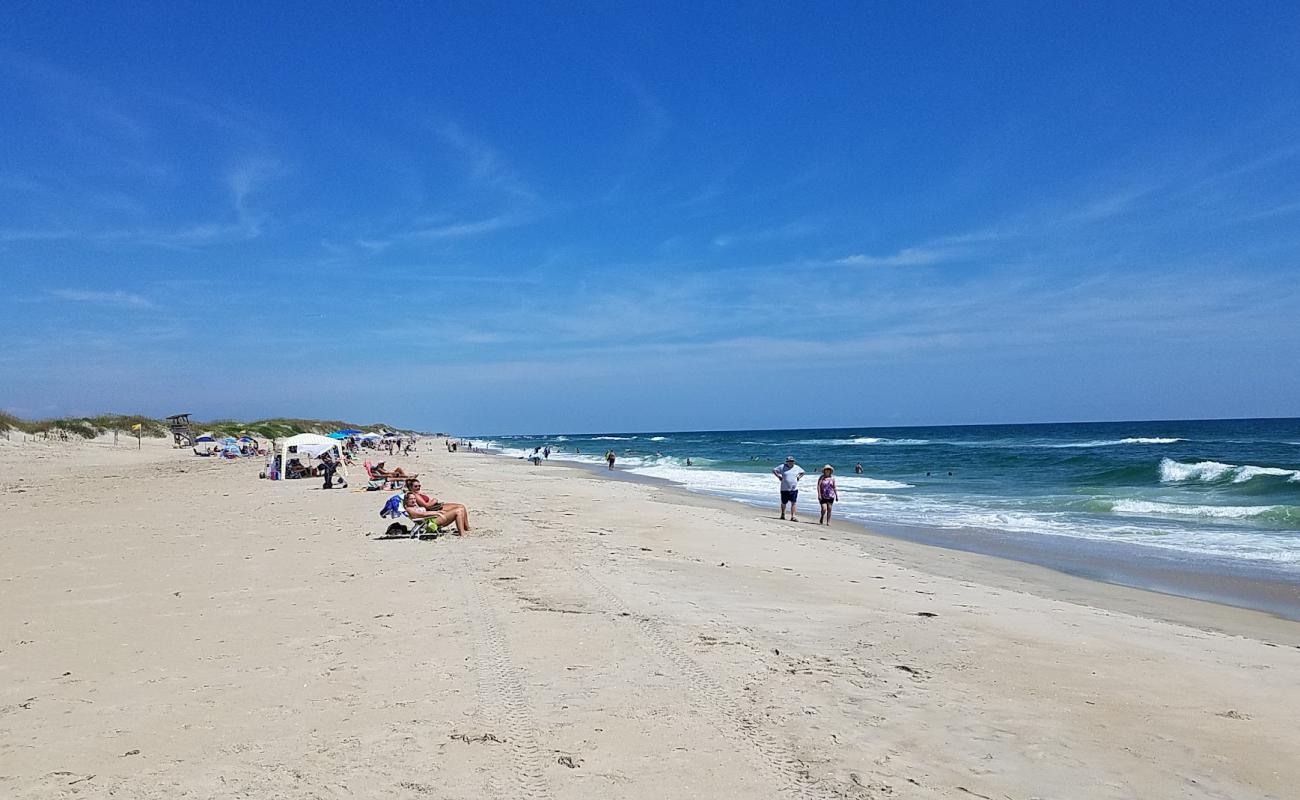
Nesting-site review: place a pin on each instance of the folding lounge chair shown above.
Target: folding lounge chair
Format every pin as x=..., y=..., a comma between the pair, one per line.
x=423, y=528
x=375, y=481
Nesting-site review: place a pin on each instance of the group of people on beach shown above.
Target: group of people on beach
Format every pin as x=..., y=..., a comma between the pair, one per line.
x=789, y=473
x=413, y=501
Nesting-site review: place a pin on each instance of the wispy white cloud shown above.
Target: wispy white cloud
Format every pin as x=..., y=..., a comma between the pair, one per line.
x=458, y=230
x=484, y=165
x=119, y=299
x=241, y=182
x=907, y=257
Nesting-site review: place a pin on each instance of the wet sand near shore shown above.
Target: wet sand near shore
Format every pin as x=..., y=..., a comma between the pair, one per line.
x=185, y=629
x=1051, y=566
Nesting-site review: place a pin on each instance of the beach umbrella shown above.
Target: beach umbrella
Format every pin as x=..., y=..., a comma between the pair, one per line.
x=338, y=435
x=245, y=438
x=228, y=440
x=207, y=437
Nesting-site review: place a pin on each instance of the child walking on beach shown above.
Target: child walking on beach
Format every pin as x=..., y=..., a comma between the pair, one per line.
x=826, y=494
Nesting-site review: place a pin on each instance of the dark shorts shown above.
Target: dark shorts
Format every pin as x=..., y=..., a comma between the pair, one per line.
x=789, y=497
x=828, y=500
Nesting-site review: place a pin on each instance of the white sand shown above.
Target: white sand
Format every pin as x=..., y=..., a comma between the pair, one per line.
x=174, y=627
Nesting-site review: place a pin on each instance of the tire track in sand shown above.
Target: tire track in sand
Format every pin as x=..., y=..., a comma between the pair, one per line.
x=786, y=772
x=500, y=693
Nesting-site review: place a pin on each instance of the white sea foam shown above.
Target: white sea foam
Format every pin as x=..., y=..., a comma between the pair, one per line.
x=1180, y=510
x=658, y=438
x=1176, y=471
x=863, y=440
x=613, y=438
x=749, y=485
x=1117, y=442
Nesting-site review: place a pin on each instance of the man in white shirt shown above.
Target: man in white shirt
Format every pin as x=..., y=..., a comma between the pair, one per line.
x=789, y=474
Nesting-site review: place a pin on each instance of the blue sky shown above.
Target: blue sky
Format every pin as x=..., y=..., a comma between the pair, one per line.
x=580, y=217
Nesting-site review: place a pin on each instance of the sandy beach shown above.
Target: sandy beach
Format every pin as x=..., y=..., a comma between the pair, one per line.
x=174, y=627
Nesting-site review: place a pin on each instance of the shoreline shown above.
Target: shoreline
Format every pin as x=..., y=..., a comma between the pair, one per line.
x=1155, y=590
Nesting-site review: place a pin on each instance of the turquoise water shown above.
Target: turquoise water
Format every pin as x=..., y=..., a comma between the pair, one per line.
x=1225, y=490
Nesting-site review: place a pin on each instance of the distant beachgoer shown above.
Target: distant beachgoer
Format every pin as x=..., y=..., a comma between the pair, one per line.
x=610, y=458
x=535, y=457
x=688, y=463
x=858, y=468
x=789, y=474
x=546, y=453
x=826, y=493
x=396, y=473
x=328, y=466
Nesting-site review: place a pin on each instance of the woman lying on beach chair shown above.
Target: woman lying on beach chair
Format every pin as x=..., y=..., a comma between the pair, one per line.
x=383, y=479
x=422, y=507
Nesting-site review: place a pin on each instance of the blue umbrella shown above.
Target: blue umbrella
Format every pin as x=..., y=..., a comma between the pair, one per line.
x=205, y=438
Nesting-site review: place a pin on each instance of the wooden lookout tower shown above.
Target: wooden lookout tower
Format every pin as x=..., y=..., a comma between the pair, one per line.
x=182, y=433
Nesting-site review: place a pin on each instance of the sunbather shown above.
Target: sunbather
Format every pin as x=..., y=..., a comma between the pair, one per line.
x=395, y=473
x=429, y=502
x=443, y=516
x=298, y=470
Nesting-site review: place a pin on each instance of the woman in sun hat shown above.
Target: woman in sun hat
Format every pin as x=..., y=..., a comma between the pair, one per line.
x=826, y=494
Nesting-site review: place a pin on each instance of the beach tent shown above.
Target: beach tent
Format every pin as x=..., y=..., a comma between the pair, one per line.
x=228, y=440
x=338, y=435
x=369, y=437
x=310, y=445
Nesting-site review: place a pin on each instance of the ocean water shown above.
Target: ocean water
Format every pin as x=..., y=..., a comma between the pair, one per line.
x=1212, y=490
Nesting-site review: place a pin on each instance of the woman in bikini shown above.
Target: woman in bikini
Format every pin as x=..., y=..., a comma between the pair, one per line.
x=421, y=506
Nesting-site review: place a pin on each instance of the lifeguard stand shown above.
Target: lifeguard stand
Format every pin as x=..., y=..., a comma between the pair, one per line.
x=182, y=433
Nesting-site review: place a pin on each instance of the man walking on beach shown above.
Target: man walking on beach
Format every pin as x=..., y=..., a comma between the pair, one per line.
x=789, y=474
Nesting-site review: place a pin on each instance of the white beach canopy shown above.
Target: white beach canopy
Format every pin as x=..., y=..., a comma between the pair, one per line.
x=369, y=436
x=311, y=445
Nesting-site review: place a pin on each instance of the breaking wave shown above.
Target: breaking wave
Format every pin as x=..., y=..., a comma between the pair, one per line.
x=1117, y=442
x=1210, y=471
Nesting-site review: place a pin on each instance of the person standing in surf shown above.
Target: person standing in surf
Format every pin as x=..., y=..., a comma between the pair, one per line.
x=789, y=474
x=609, y=459
x=826, y=493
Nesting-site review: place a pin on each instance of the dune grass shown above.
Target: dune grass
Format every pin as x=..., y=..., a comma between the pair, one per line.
x=90, y=427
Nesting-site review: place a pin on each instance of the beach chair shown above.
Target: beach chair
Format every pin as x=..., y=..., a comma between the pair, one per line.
x=423, y=528
x=375, y=482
